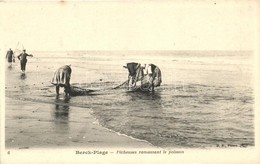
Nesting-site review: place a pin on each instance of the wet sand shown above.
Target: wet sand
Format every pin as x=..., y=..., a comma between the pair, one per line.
x=38, y=125
x=205, y=101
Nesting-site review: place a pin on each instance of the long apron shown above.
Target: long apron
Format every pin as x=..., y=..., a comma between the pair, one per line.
x=62, y=77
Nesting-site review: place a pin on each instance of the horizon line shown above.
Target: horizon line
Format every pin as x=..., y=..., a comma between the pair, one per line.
x=135, y=50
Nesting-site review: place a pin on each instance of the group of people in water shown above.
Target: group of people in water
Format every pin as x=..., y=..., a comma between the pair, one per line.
x=142, y=77
x=22, y=57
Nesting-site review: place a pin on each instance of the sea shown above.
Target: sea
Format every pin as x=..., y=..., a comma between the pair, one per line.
x=206, y=98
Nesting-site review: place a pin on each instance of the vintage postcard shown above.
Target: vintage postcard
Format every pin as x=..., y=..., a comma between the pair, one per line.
x=129, y=81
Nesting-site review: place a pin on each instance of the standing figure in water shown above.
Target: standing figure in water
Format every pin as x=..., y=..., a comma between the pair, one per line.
x=61, y=78
x=23, y=60
x=10, y=57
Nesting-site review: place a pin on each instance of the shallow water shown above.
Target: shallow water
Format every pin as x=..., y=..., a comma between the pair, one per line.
x=206, y=98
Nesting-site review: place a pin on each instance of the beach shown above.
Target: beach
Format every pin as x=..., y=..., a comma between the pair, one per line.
x=205, y=101
x=40, y=125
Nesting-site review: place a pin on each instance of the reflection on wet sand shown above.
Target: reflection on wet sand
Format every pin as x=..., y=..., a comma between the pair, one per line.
x=194, y=107
x=10, y=67
x=23, y=76
x=61, y=113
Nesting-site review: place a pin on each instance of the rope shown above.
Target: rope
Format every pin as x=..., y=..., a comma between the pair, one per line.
x=120, y=85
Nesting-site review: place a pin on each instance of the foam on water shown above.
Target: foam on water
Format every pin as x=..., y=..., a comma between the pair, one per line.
x=206, y=98
x=120, y=134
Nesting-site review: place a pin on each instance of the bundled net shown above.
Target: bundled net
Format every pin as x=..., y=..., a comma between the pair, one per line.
x=78, y=91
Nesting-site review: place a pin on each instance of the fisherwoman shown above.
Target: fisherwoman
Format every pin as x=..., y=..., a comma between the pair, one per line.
x=152, y=75
x=61, y=78
x=10, y=57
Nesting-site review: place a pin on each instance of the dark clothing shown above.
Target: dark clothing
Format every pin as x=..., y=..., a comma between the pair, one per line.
x=23, y=56
x=23, y=64
x=23, y=60
x=153, y=67
x=149, y=78
x=132, y=68
x=9, y=56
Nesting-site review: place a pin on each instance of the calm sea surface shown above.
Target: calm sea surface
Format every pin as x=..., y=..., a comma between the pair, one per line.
x=206, y=98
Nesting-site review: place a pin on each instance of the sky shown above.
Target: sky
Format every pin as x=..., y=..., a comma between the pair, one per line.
x=178, y=25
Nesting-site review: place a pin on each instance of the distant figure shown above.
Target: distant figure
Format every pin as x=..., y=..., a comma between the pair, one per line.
x=23, y=60
x=10, y=56
x=61, y=78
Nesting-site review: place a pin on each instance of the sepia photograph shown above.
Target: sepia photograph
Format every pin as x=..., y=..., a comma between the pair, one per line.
x=122, y=81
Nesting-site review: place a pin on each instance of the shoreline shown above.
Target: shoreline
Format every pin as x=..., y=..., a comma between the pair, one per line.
x=40, y=125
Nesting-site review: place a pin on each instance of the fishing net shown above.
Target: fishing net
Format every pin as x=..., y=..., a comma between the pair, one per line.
x=78, y=91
